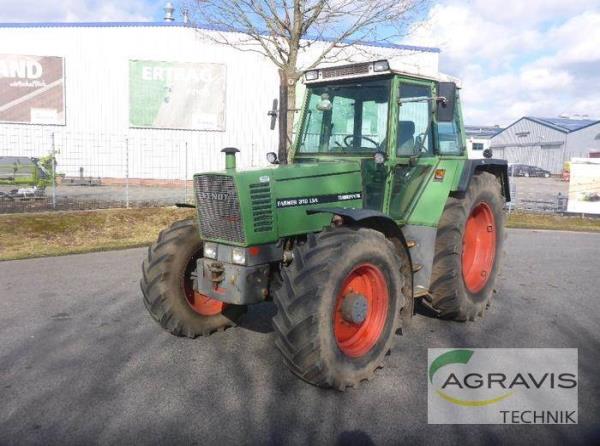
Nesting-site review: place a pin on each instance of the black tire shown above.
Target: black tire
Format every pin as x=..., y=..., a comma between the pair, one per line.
x=307, y=297
x=166, y=279
x=449, y=292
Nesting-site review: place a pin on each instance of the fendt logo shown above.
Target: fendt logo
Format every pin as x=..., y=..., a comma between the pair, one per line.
x=213, y=196
x=516, y=386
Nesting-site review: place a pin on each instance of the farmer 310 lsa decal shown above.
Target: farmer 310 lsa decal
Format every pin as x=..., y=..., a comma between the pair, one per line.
x=378, y=206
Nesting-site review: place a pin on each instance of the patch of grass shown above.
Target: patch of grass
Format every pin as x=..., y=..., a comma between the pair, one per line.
x=556, y=222
x=58, y=233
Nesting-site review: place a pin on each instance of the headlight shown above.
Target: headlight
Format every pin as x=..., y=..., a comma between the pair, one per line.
x=381, y=65
x=311, y=75
x=379, y=157
x=272, y=158
x=238, y=256
x=210, y=250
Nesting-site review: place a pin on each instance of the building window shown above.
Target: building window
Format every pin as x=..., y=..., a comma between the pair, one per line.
x=477, y=146
x=597, y=137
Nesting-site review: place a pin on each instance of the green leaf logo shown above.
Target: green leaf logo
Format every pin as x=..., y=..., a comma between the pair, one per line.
x=459, y=357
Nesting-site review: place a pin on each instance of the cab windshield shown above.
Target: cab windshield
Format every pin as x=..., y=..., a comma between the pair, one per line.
x=346, y=118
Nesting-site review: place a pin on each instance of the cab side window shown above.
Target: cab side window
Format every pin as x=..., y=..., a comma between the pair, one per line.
x=414, y=129
x=449, y=137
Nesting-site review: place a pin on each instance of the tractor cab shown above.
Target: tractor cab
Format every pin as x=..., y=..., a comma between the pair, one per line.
x=396, y=125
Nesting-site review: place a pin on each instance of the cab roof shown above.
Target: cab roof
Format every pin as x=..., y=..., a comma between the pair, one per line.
x=376, y=68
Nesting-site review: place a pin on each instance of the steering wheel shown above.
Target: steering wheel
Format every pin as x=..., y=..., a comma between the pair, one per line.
x=347, y=142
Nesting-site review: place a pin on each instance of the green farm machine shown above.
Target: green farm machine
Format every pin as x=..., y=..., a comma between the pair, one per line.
x=22, y=177
x=378, y=207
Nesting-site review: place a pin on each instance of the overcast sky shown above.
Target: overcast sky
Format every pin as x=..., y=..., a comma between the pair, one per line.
x=515, y=57
x=519, y=57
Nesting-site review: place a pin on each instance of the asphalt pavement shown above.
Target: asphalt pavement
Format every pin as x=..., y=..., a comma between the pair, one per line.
x=81, y=362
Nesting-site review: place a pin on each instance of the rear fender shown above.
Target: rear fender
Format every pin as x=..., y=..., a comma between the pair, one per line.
x=496, y=167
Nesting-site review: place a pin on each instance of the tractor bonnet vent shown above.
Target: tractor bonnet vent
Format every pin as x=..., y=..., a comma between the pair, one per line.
x=350, y=70
x=262, y=213
x=218, y=208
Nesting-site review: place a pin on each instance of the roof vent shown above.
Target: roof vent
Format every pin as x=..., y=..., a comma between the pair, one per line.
x=169, y=10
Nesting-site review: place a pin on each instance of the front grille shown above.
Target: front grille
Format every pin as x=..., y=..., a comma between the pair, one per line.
x=262, y=213
x=219, y=208
x=351, y=70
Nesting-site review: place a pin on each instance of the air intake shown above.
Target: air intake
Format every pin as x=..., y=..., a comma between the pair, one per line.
x=262, y=213
x=350, y=70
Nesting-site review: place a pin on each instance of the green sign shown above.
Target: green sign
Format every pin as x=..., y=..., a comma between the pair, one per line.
x=172, y=95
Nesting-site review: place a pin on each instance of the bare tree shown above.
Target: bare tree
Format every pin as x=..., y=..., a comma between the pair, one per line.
x=297, y=35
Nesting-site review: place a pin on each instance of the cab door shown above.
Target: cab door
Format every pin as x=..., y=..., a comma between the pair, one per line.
x=412, y=158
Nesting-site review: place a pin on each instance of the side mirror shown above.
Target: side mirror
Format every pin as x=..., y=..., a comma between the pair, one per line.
x=273, y=113
x=445, y=107
x=487, y=153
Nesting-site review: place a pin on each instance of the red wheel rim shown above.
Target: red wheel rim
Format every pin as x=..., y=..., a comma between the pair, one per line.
x=200, y=303
x=479, y=247
x=204, y=305
x=354, y=339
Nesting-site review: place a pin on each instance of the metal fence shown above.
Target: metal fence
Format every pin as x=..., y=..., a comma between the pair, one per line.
x=149, y=169
x=538, y=194
x=98, y=171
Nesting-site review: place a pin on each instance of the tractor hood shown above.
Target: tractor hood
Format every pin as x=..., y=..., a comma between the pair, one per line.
x=261, y=206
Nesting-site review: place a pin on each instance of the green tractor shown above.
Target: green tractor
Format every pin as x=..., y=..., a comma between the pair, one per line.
x=22, y=171
x=378, y=206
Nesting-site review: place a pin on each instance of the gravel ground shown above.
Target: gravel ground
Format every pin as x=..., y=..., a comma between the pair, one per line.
x=81, y=362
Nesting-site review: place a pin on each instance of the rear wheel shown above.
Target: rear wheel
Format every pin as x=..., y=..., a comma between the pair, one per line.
x=167, y=286
x=468, y=249
x=339, y=306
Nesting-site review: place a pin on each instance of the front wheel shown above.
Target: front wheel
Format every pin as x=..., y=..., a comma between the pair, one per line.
x=468, y=249
x=338, y=307
x=167, y=286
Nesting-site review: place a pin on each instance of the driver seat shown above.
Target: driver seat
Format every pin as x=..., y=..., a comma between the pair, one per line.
x=406, y=138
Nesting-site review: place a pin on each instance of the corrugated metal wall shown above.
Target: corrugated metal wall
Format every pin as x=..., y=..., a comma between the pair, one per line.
x=584, y=141
x=97, y=133
x=527, y=142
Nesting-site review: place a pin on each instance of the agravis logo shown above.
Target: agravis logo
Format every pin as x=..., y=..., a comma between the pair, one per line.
x=460, y=357
x=528, y=386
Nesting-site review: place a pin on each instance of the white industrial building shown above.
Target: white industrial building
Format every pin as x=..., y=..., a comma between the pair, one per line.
x=547, y=142
x=146, y=100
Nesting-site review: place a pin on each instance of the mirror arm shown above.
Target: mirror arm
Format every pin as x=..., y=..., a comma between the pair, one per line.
x=441, y=99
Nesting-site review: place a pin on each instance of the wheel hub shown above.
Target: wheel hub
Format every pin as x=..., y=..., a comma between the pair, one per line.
x=354, y=308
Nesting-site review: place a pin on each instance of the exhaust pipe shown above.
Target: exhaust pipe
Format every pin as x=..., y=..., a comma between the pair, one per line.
x=230, y=157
